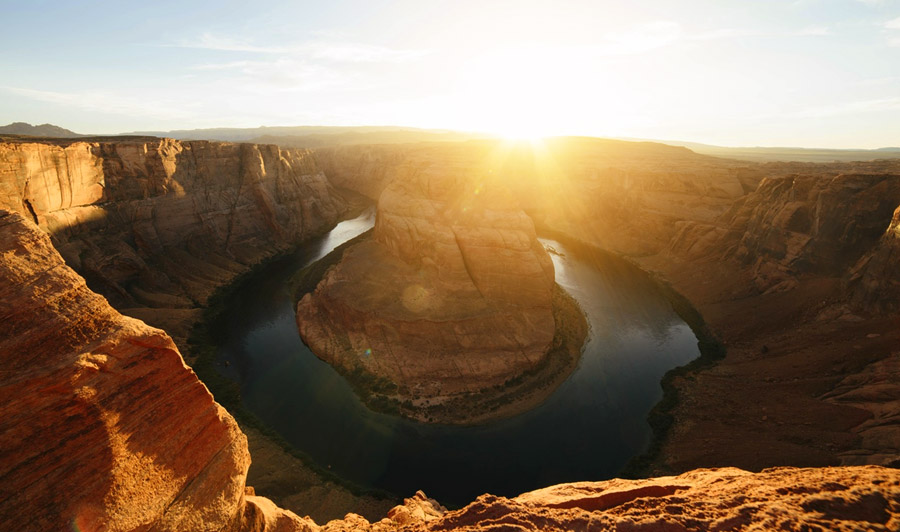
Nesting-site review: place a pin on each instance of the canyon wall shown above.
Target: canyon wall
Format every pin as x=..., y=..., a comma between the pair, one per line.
x=801, y=225
x=875, y=279
x=156, y=225
x=103, y=426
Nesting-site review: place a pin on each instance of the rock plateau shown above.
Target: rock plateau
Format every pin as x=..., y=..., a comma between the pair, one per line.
x=453, y=294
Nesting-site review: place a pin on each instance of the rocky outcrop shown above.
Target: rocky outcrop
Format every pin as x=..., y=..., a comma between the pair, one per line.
x=452, y=294
x=836, y=499
x=156, y=225
x=811, y=224
x=103, y=425
x=875, y=279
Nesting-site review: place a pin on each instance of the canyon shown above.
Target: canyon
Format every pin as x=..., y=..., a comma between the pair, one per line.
x=790, y=264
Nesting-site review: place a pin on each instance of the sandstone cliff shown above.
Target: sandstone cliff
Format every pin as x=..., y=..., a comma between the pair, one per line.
x=156, y=225
x=796, y=279
x=103, y=426
x=834, y=499
x=875, y=279
x=453, y=294
x=811, y=224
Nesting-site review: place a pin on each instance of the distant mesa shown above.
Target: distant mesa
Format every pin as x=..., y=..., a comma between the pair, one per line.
x=43, y=130
x=452, y=297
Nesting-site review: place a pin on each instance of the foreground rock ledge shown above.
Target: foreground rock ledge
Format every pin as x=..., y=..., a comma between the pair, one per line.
x=102, y=426
x=452, y=295
x=827, y=499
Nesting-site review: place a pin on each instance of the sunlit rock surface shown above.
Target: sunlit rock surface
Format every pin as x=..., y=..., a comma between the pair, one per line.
x=875, y=279
x=103, y=427
x=156, y=225
x=452, y=294
x=811, y=224
x=833, y=499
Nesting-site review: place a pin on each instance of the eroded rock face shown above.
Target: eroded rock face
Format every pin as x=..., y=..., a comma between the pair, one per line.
x=838, y=499
x=451, y=295
x=103, y=427
x=811, y=224
x=875, y=280
x=156, y=225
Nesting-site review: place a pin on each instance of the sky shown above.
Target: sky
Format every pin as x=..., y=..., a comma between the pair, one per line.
x=814, y=73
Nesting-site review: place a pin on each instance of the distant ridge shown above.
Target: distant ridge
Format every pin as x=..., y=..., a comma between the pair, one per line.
x=43, y=130
x=317, y=136
x=762, y=154
x=324, y=136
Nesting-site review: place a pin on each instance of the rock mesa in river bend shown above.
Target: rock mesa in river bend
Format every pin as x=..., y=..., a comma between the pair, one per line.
x=452, y=294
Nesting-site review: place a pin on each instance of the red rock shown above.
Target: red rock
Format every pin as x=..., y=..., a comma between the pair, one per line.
x=834, y=499
x=103, y=427
x=157, y=225
x=451, y=295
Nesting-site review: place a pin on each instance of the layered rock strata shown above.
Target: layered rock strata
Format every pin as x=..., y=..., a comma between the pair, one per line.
x=834, y=499
x=156, y=225
x=452, y=294
x=809, y=224
x=797, y=280
x=103, y=425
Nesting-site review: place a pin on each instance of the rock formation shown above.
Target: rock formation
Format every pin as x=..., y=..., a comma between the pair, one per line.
x=811, y=224
x=875, y=279
x=834, y=499
x=796, y=279
x=452, y=294
x=103, y=426
x=156, y=225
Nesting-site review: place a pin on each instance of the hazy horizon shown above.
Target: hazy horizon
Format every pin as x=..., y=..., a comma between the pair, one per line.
x=808, y=73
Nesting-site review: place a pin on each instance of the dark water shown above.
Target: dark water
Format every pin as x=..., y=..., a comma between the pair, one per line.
x=587, y=430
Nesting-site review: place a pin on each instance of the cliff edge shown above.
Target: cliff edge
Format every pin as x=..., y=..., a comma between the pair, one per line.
x=103, y=427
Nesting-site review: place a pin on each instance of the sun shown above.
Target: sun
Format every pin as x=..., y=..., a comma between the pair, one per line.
x=530, y=134
x=518, y=93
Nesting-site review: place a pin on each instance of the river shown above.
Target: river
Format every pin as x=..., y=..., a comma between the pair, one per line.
x=586, y=430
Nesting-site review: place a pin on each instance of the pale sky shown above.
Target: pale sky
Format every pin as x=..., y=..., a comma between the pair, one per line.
x=815, y=73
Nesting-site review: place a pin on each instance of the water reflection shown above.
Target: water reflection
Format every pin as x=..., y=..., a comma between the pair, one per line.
x=587, y=430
